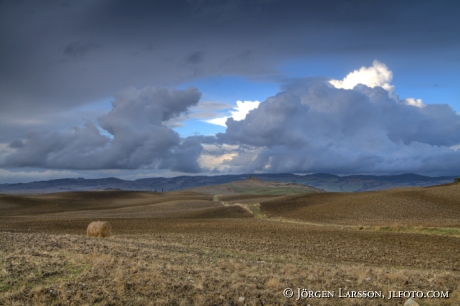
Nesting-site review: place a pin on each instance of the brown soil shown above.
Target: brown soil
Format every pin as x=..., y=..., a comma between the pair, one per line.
x=19, y=205
x=430, y=206
x=227, y=212
x=203, y=253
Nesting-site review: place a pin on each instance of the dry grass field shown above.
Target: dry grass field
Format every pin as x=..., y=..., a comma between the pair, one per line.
x=187, y=248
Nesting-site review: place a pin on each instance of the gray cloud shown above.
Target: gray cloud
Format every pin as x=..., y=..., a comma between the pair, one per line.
x=184, y=157
x=78, y=49
x=195, y=58
x=310, y=126
x=146, y=42
x=314, y=127
x=16, y=144
x=138, y=137
x=55, y=58
x=204, y=110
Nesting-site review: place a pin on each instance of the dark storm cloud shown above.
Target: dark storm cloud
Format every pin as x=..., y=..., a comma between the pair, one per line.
x=138, y=137
x=122, y=43
x=184, y=157
x=55, y=57
x=195, y=58
x=78, y=49
x=315, y=127
x=16, y=144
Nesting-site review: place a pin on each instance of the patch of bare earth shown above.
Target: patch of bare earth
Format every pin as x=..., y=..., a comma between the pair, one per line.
x=186, y=248
x=220, y=262
x=432, y=206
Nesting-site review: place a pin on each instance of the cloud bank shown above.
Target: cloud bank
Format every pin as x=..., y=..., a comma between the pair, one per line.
x=135, y=137
x=311, y=125
x=60, y=54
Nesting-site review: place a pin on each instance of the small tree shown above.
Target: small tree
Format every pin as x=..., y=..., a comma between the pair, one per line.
x=457, y=180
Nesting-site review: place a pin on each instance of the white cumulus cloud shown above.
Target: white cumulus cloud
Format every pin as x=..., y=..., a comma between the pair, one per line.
x=238, y=113
x=376, y=75
x=414, y=102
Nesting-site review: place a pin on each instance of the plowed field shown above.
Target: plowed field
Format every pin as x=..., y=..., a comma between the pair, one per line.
x=429, y=206
x=193, y=249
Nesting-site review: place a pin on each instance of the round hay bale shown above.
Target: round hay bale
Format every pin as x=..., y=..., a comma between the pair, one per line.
x=99, y=229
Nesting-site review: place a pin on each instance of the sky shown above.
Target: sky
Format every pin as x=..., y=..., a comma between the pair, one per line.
x=135, y=89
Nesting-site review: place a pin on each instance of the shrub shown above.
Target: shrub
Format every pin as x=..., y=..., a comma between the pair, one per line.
x=99, y=229
x=457, y=180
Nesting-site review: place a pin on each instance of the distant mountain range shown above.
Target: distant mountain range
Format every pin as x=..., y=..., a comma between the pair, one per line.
x=327, y=182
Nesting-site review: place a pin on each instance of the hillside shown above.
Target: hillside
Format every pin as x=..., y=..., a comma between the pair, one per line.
x=90, y=201
x=415, y=206
x=255, y=186
x=327, y=182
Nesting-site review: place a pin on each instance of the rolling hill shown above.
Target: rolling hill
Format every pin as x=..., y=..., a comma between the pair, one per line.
x=327, y=182
x=414, y=206
x=255, y=186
